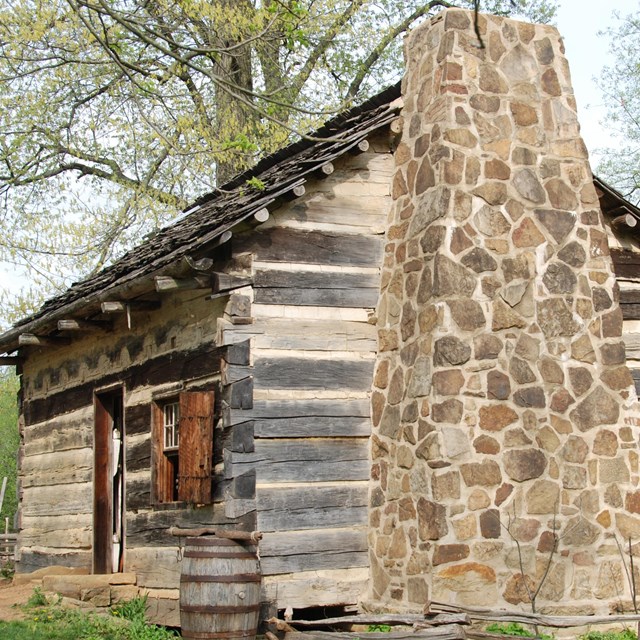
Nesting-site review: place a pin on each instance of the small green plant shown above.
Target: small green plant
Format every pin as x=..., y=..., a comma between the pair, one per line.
x=622, y=634
x=8, y=570
x=37, y=599
x=256, y=183
x=516, y=629
x=379, y=628
x=134, y=610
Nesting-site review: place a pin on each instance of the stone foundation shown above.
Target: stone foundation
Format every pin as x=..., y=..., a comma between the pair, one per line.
x=501, y=390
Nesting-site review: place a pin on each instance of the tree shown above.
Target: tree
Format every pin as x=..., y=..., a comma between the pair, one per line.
x=114, y=114
x=9, y=442
x=620, y=84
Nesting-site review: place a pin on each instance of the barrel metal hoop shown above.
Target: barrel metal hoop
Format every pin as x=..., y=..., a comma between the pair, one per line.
x=236, y=577
x=193, y=553
x=211, y=608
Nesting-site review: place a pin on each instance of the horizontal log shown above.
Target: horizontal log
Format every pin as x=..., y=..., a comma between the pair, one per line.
x=557, y=622
x=51, y=501
x=312, y=288
x=115, y=306
x=392, y=619
x=315, y=550
x=292, y=460
x=72, y=324
x=262, y=215
x=445, y=632
x=311, y=373
x=341, y=587
x=229, y=534
x=312, y=247
x=31, y=340
x=360, y=147
x=307, y=335
x=32, y=560
x=366, y=214
x=280, y=409
x=624, y=220
x=151, y=528
x=165, y=284
x=309, y=507
x=221, y=282
x=155, y=566
x=175, y=365
x=10, y=361
x=626, y=263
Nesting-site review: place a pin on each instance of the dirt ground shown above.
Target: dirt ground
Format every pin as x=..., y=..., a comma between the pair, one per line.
x=12, y=595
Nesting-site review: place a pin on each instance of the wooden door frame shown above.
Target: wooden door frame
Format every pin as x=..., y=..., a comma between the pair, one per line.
x=102, y=547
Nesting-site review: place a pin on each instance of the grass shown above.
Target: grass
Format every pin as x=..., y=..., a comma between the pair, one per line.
x=53, y=622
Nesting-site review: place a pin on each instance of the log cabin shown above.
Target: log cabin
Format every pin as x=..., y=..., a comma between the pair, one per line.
x=394, y=349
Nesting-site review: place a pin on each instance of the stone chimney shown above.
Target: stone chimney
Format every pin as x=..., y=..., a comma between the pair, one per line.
x=499, y=446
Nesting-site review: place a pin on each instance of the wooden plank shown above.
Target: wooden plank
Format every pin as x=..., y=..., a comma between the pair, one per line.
x=445, y=632
x=404, y=619
x=630, y=311
x=313, y=427
x=34, y=559
x=239, y=395
x=291, y=552
x=317, y=588
x=138, y=492
x=138, y=455
x=312, y=247
x=175, y=365
x=137, y=418
x=322, y=460
x=50, y=501
x=267, y=409
x=311, y=373
x=311, y=507
x=151, y=528
x=307, y=334
x=313, y=288
x=626, y=264
x=635, y=374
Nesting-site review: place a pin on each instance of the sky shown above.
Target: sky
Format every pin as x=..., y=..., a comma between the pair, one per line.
x=579, y=22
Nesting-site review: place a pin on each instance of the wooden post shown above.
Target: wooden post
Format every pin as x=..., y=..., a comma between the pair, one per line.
x=4, y=488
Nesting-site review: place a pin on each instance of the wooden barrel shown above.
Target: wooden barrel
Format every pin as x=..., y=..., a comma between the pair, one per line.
x=219, y=589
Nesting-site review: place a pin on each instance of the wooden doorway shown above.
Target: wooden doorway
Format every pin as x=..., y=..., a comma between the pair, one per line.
x=108, y=482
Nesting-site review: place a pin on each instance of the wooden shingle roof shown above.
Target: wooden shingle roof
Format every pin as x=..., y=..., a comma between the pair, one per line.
x=213, y=215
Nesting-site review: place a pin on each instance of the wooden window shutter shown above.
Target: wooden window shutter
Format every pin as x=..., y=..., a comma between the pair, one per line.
x=161, y=477
x=196, y=446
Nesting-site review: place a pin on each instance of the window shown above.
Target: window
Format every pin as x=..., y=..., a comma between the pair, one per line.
x=183, y=448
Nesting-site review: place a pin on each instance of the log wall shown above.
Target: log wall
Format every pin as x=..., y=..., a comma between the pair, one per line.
x=302, y=455
x=290, y=356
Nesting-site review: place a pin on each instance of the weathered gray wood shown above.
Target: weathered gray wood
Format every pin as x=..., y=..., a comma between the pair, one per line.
x=233, y=372
x=73, y=324
x=354, y=407
x=305, y=334
x=239, y=395
x=31, y=340
x=240, y=438
x=312, y=288
x=51, y=501
x=261, y=215
x=302, y=460
x=312, y=247
x=445, y=632
x=366, y=212
x=630, y=311
x=226, y=282
x=316, y=550
x=238, y=353
x=312, y=427
x=165, y=284
x=311, y=507
x=308, y=373
x=557, y=622
x=31, y=560
x=151, y=528
x=406, y=619
x=115, y=306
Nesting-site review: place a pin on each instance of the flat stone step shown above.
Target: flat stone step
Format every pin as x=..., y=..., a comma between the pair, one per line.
x=73, y=586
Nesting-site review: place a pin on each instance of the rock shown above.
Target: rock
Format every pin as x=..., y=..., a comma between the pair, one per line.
x=528, y=186
x=432, y=520
x=496, y=417
x=483, y=474
x=523, y=114
x=605, y=443
x=486, y=445
x=527, y=234
x=445, y=553
x=518, y=588
x=390, y=422
x=573, y=254
x=596, y=409
x=612, y=354
x=446, y=486
x=419, y=383
x=582, y=350
x=505, y=318
x=613, y=470
x=451, y=278
x=521, y=371
x=530, y=397
x=447, y=383
x=561, y=401
x=490, y=527
x=547, y=439
x=448, y=411
x=524, y=464
x=575, y=449
x=555, y=318
x=498, y=385
x=628, y=526
x=579, y=532
x=479, y=260
x=487, y=347
x=450, y=350
x=489, y=221
x=467, y=314
x=574, y=478
x=516, y=268
x=551, y=371
x=543, y=497
x=559, y=278
x=561, y=195
x=581, y=380
x=558, y=223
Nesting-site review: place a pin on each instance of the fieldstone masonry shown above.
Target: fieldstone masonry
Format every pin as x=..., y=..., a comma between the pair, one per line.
x=501, y=389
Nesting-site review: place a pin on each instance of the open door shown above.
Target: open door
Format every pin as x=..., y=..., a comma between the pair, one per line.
x=108, y=483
